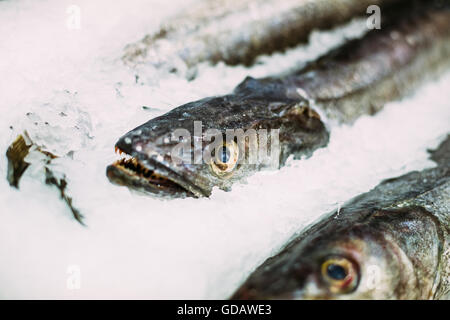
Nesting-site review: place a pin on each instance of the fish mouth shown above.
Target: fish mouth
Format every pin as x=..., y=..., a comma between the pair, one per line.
x=149, y=176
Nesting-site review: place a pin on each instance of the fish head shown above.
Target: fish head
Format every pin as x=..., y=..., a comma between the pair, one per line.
x=215, y=142
x=336, y=260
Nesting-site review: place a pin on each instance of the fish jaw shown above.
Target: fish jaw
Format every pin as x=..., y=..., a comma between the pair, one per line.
x=121, y=175
x=150, y=174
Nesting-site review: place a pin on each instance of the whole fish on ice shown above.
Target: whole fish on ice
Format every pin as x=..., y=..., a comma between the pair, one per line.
x=357, y=79
x=390, y=243
x=237, y=31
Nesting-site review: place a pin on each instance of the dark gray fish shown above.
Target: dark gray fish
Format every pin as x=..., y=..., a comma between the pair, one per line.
x=356, y=79
x=237, y=31
x=390, y=243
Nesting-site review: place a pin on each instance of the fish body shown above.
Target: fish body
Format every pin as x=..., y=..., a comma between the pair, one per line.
x=392, y=242
x=361, y=76
x=236, y=32
x=356, y=79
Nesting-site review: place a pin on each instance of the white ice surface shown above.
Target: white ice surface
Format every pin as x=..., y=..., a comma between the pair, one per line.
x=141, y=247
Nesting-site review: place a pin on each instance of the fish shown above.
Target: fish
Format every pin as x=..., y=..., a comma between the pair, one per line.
x=298, y=108
x=238, y=31
x=392, y=242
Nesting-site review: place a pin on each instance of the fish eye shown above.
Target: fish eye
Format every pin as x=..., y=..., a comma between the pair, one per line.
x=225, y=159
x=224, y=154
x=340, y=274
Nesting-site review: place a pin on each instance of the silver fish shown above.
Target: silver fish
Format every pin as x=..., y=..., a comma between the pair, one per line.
x=390, y=243
x=237, y=31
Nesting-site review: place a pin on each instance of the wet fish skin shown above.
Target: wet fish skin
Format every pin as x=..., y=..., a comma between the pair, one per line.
x=394, y=241
x=236, y=32
x=353, y=80
x=301, y=132
x=364, y=74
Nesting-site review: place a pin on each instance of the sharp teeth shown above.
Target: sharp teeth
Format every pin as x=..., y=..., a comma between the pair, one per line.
x=132, y=165
x=118, y=151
